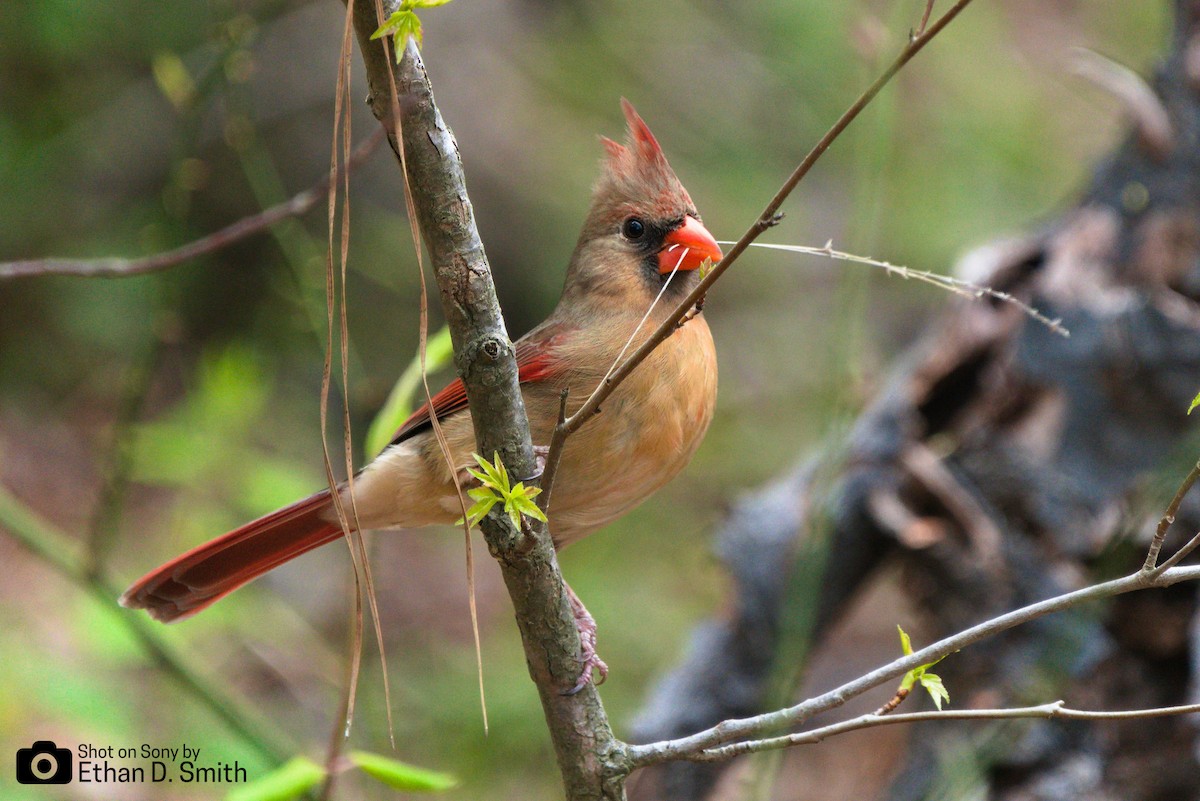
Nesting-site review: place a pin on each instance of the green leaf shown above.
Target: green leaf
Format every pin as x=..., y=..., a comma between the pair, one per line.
x=493, y=475
x=905, y=642
x=930, y=681
x=291, y=780
x=480, y=493
x=402, y=24
x=479, y=511
x=482, y=478
x=518, y=500
x=400, y=775
x=425, y=3
x=439, y=353
x=936, y=689
x=393, y=24
x=1195, y=403
x=524, y=501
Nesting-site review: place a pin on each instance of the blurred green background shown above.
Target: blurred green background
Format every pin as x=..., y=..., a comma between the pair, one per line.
x=143, y=415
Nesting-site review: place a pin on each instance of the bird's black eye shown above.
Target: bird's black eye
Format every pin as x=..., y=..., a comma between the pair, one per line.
x=633, y=228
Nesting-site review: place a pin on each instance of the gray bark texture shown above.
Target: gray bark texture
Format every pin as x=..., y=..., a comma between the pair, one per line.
x=995, y=468
x=589, y=756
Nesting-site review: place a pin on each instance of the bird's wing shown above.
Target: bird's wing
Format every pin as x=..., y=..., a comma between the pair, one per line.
x=535, y=362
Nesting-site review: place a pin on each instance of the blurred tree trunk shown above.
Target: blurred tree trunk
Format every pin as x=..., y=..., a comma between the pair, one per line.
x=995, y=468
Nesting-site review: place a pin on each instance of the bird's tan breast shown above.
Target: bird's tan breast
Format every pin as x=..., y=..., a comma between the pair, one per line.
x=645, y=434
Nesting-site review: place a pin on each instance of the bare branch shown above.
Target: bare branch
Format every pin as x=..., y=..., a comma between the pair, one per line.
x=731, y=730
x=1055, y=709
x=958, y=286
x=554, y=454
x=1168, y=518
x=117, y=267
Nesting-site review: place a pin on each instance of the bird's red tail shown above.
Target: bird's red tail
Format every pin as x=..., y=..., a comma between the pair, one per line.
x=207, y=573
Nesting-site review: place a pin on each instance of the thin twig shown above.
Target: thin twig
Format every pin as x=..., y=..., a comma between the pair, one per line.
x=1056, y=709
x=1168, y=518
x=117, y=267
x=925, y=17
x=958, y=286
x=731, y=730
x=895, y=701
x=769, y=217
x=554, y=454
x=1180, y=555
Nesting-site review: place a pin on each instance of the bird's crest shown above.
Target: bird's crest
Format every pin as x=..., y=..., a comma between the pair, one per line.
x=637, y=172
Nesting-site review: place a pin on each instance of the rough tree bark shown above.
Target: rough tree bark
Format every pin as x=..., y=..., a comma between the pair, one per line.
x=590, y=758
x=995, y=467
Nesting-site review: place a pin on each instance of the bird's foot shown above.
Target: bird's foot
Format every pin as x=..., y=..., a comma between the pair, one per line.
x=593, y=666
x=540, y=452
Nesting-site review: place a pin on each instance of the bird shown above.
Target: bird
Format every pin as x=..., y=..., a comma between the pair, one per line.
x=638, y=255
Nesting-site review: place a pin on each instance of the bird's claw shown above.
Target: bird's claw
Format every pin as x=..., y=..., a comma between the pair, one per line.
x=593, y=665
x=540, y=452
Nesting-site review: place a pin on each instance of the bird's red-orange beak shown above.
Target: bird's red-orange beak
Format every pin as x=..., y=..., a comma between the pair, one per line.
x=687, y=247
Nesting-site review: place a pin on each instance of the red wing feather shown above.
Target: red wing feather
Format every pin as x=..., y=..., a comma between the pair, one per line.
x=535, y=362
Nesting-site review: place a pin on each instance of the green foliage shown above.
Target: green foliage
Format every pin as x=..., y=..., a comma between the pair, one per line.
x=921, y=675
x=400, y=775
x=495, y=488
x=299, y=775
x=1195, y=403
x=209, y=440
x=290, y=780
x=438, y=354
x=404, y=23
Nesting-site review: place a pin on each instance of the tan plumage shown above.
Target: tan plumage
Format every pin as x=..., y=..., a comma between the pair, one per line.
x=641, y=226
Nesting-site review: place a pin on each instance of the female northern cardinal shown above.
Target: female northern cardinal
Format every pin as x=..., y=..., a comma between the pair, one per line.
x=642, y=237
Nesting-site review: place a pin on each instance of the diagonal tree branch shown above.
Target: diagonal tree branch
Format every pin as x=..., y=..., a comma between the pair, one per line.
x=695, y=745
x=117, y=267
x=590, y=758
x=1054, y=709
